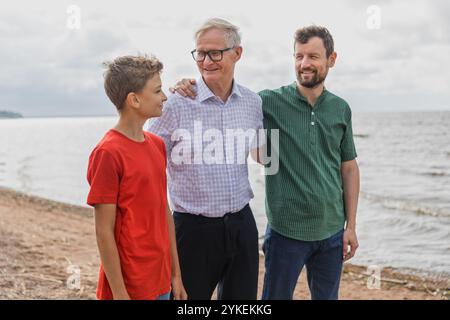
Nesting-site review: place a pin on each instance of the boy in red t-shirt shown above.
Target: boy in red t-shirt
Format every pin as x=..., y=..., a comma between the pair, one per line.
x=126, y=173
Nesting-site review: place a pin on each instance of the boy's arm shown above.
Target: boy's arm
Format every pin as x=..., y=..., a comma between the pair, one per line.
x=178, y=291
x=105, y=218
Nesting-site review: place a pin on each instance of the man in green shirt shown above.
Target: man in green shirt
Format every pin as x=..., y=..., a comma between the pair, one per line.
x=314, y=195
x=311, y=201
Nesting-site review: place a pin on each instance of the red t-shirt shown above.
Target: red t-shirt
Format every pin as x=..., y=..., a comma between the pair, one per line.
x=132, y=175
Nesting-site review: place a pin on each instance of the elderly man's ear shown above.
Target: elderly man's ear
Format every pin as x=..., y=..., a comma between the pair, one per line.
x=238, y=51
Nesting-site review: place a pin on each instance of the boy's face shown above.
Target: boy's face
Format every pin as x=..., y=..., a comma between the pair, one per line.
x=151, y=98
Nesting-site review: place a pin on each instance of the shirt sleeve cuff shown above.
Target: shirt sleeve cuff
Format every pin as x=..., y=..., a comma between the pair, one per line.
x=93, y=200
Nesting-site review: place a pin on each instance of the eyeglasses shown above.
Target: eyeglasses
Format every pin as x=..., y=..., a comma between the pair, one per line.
x=214, y=55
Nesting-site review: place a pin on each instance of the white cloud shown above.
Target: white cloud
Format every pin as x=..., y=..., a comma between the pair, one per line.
x=48, y=69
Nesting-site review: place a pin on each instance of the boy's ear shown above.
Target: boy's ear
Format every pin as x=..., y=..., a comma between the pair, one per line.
x=132, y=100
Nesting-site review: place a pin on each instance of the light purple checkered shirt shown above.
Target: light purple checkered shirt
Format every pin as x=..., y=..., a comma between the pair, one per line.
x=214, y=188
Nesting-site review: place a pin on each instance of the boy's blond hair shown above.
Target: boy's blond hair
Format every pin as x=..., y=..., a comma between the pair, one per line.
x=128, y=74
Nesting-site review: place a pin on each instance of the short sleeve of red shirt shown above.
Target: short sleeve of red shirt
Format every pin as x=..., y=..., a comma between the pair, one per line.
x=104, y=177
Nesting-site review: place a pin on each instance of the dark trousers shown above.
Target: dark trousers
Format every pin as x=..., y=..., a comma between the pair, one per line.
x=220, y=252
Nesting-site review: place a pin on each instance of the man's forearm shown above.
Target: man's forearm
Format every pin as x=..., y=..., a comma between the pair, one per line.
x=350, y=179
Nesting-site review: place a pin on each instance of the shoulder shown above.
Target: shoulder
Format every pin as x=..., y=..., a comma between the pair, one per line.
x=274, y=97
x=251, y=101
x=109, y=144
x=336, y=99
x=114, y=146
x=105, y=154
x=338, y=102
x=176, y=102
x=153, y=137
x=156, y=140
x=339, y=106
x=249, y=94
x=275, y=93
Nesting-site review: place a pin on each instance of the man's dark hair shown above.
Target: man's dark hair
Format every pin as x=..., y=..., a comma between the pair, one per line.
x=303, y=35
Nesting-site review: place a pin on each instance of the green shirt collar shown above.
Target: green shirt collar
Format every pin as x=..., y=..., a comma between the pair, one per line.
x=302, y=98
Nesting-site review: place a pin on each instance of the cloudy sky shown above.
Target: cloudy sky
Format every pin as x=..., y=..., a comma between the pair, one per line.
x=392, y=55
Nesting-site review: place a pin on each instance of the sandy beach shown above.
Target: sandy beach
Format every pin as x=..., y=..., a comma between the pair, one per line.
x=44, y=243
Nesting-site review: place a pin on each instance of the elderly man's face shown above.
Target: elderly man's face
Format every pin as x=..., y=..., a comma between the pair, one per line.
x=311, y=62
x=220, y=71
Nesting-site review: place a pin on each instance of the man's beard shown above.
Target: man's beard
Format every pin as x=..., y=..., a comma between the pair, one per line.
x=313, y=82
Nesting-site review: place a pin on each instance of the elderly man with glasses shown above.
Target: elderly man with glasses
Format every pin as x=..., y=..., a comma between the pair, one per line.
x=311, y=201
x=208, y=181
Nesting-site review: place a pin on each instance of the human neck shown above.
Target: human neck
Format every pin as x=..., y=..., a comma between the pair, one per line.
x=221, y=89
x=311, y=94
x=131, y=126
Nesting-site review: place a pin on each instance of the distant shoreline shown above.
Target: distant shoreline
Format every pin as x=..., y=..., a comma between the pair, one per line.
x=10, y=115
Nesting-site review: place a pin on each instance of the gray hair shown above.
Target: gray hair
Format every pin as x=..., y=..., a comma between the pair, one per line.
x=232, y=34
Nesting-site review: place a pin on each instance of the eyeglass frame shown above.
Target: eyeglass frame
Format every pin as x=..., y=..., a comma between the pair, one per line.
x=207, y=53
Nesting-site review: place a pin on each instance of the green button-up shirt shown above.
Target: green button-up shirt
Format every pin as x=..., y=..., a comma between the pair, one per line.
x=304, y=200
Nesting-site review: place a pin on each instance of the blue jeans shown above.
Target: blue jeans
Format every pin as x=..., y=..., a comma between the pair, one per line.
x=165, y=296
x=285, y=258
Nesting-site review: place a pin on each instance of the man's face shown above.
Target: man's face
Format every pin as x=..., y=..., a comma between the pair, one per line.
x=151, y=98
x=220, y=71
x=311, y=62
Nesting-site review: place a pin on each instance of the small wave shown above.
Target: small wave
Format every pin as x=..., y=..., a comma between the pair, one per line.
x=405, y=205
x=360, y=135
x=438, y=275
x=440, y=167
x=436, y=174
